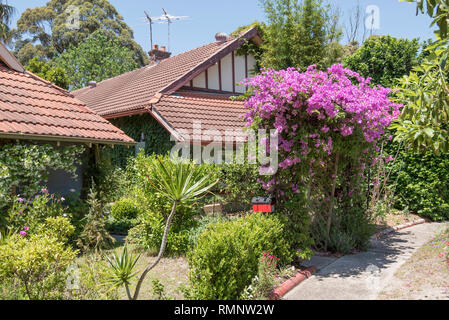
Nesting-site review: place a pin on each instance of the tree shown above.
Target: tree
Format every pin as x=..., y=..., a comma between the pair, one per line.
x=436, y=9
x=6, y=12
x=179, y=183
x=45, y=70
x=424, y=94
x=298, y=34
x=384, y=58
x=60, y=24
x=98, y=58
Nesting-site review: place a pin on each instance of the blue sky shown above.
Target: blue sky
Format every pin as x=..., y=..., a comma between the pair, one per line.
x=207, y=17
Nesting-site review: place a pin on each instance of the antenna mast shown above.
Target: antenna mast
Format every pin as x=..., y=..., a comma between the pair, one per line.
x=168, y=24
x=150, y=21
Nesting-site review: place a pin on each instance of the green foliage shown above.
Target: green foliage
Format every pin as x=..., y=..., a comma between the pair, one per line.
x=122, y=269
x=150, y=230
x=297, y=33
x=201, y=225
x=38, y=262
x=97, y=58
x=239, y=182
x=159, y=290
x=26, y=166
x=33, y=213
x=157, y=139
x=384, y=58
x=436, y=9
x=6, y=14
x=249, y=47
x=423, y=121
x=92, y=281
x=44, y=30
x=264, y=283
x=125, y=208
x=47, y=71
x=421, y=184
x=95, y=234
x=226, y=258
x=59, y=228
x=348, y=232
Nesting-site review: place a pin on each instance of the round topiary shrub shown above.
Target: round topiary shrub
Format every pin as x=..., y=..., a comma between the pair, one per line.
x=125, y=209
x=226, y=256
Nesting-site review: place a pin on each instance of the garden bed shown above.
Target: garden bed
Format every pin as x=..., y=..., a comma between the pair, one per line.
x=395, y=218
x=171, y=272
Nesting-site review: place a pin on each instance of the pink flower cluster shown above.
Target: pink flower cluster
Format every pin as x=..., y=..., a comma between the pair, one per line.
x=312, y=110
x=285, y=94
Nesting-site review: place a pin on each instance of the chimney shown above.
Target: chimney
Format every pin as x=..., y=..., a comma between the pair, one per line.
x=157, y=55
x=92, y=84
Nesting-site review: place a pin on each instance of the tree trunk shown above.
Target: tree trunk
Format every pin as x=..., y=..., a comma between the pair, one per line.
x=161, y=252
x=331, y=208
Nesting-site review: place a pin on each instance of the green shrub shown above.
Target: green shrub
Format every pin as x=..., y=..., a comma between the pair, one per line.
x=226, y=257
x=59, y=227
x=94, y=234
x=149, y=232
x=121, y=226
x=239, y=184
x=125, y=209
x=349, y=231
x=32, y=213
x=421, y=184
x=38, y=262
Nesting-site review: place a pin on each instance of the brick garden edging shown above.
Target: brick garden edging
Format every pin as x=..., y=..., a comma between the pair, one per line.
x=397, y=228
x=288, y=285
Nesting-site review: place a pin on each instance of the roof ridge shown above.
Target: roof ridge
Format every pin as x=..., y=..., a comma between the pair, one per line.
x=147, y=66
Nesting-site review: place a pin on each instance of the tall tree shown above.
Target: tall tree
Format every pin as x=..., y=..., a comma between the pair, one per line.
x=298, y=33
x=50, y=30
x=47, y=71
x=97, y=58
x=385, y=59
x=6, y=13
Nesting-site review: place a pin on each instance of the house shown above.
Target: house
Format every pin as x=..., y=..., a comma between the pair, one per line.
x=37, y=111
x=166, y=98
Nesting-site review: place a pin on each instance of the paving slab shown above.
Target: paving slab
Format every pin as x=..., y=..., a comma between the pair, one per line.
x=362, y=276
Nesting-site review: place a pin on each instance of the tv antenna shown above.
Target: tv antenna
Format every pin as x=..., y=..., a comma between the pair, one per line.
x=150, y=21
x=164, y=18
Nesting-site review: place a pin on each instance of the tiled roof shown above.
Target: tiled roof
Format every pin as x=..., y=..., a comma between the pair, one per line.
x=31, y=107
x=135, y=89
x=212, y=111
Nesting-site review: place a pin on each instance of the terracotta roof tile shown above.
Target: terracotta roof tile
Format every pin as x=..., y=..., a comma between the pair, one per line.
x=32, y=106
x=134, y=90
x=214, y=112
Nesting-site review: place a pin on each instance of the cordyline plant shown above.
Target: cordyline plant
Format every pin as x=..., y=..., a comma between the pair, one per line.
x=179, y=182
x=329, y=123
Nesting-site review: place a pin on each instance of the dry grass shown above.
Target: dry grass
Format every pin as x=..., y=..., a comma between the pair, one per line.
x=424, y=276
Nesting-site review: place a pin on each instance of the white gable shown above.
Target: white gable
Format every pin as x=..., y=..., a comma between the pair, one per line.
x=226, y=74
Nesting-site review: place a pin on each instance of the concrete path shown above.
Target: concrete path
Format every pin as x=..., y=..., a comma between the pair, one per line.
x=362, y=276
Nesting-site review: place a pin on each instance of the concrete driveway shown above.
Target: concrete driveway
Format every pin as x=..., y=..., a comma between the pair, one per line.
x=362, y=276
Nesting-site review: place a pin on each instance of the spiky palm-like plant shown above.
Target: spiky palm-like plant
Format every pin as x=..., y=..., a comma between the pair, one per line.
x=180, y=183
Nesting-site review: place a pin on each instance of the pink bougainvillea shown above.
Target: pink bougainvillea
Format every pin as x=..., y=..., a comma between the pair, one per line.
x=319, y=114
